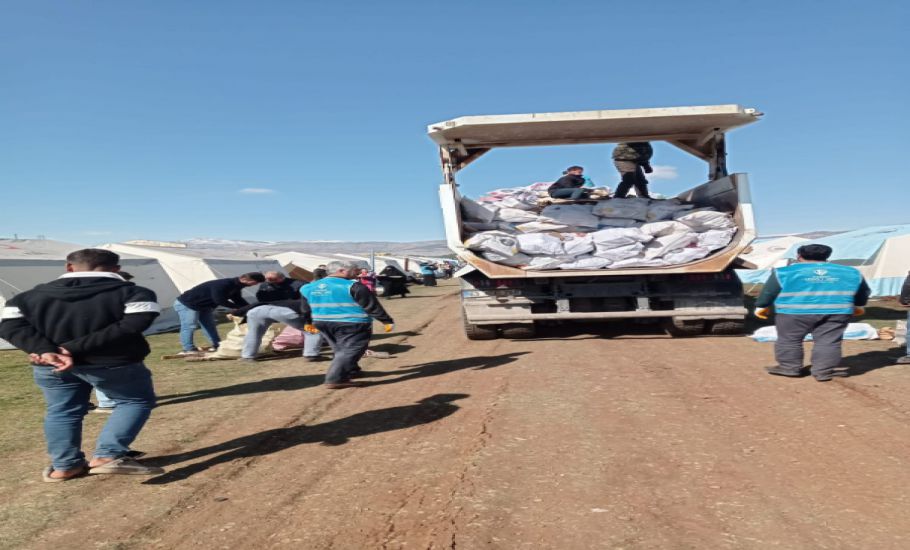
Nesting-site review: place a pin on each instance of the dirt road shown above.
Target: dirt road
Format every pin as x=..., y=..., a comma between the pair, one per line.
x=579, y=441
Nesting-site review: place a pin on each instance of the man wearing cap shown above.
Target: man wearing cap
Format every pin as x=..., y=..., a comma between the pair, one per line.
x=812, y=296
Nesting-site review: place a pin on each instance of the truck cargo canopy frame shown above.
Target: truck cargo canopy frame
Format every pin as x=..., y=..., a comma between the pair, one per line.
x=696, y=130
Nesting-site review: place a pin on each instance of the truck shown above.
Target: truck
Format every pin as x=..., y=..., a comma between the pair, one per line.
x=701, y=297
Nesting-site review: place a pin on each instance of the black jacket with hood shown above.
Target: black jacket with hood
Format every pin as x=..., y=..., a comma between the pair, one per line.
x=97, y=316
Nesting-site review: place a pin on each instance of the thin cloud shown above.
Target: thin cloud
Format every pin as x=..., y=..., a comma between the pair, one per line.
x=256, y=191
x=663, y=173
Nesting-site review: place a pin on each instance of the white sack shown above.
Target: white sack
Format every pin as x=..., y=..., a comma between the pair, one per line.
x=685, y=255
x=572, y=215
x=618, y=253
x=514, y=260
x=668, y=243
x=635, y=208
x=619, y=236
x=705, y=220
x=543, y=244
x=618, y=222
x=474, y=227
x=493, y=241
x=540, y=226
x=714, y=239
x=476, y=211
x=576, y=245
x=638, y=261
x=586, y=261
x=665, y=210
x=515, y=215
x=660, y=229
x=547, y=262
x=854, y=331
x=519, y=202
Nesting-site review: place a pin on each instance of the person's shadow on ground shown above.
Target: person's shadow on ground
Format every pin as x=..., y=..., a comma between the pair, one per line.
x=292, y=383
x=334, y=432
x=868, y=361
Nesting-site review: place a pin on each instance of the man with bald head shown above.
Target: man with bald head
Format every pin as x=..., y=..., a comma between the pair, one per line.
x=277, y=287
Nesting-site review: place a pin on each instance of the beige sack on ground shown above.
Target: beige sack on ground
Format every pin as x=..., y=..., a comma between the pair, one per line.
x=232, y=344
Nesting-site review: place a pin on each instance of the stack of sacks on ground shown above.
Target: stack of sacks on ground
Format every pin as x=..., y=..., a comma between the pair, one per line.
x=507, y=227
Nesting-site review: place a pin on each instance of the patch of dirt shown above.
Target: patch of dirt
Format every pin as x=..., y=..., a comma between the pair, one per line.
x=584, y=440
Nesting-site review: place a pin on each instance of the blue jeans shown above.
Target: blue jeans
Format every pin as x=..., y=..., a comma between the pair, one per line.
x=190, y=319
x=258, y=321
x=66, y=395
x=104, y=401
x=569, y=193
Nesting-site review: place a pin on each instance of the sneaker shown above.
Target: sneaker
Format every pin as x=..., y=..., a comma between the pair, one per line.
x=905, y=360
x=193, y=353
x=126, y=466
x=314, y=358
x=103, y=410
x=247, y=359
x=780, y=371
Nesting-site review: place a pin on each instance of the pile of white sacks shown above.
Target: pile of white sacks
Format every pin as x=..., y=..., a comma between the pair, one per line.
x=507, y=227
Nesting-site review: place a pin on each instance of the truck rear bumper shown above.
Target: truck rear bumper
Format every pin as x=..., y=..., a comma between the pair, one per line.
x=503, y=315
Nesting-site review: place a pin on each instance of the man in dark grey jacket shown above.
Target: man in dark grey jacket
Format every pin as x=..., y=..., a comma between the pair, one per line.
x=633, y=161
x=84, y=330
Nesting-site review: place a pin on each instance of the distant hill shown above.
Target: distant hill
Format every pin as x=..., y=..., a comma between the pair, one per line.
x=265, y=248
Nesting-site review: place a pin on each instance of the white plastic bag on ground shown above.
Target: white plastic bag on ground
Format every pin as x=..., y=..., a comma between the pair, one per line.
x=476, y=211
x=577, y=244
x=668, y=243
x=515, y=215
x=618, y=222
x=619, y=236
x=586, y=261
x=714, y=239
x=705, y=220
x=635, y=208
x=665, y=210
x=855, y=331
x=543, y=244
x=540, y=226
x=515, y=260
x=571, y=215
x=493, y=241
x=619, y=253
x=661, y=229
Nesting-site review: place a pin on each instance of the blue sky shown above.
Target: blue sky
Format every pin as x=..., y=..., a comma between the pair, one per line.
x=122, y=120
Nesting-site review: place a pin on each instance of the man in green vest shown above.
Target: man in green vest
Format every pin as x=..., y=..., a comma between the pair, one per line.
x=812, y=296
x=342, y=310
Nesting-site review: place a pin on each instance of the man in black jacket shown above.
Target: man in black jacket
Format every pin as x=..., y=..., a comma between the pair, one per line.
x=197, y=306
x=84, y=330
x=277, y=287
x=570, y=185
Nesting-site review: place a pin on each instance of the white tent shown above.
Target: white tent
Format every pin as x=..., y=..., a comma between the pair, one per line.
x=767, y=255
x=28, y=262
x=380, y=262
x=887, y=273
x=188, y=267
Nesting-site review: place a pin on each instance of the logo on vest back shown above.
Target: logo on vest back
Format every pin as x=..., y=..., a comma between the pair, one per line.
x=821, y=272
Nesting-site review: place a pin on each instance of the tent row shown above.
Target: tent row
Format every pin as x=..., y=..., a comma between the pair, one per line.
x=169, y=272
x=881, y=253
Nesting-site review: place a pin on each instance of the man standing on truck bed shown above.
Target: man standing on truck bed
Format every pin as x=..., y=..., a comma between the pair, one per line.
x=812, y=296
x=633, y=161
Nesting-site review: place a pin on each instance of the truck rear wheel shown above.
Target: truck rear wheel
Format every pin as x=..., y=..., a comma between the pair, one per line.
x=480, y=332
x=517, y=332
x=728, y=327
x=684, y=328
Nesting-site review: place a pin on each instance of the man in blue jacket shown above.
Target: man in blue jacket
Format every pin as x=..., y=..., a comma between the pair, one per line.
x=342, y=310
x=197, y=306
x=814, y=297
x=84, y=330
